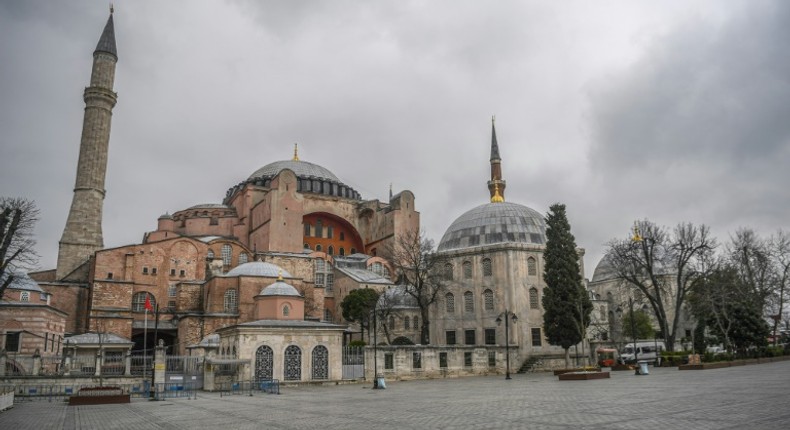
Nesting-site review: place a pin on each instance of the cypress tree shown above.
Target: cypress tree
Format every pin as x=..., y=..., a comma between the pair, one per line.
x=566, y=306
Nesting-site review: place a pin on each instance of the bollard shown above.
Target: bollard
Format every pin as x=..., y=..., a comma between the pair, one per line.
x=643, y=368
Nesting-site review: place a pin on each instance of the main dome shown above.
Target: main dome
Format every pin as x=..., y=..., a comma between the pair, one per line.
x=493, y=223
x=299, y=167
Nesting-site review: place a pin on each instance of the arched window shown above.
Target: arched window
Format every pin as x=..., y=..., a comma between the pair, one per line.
x=448, y=272
x=264, y=363
x=534, y=302
x=286, y=310
x=226, y=254
x=406, y=324
x=532, y=266
x=353, y=251
x=231, y=300
x=210, y=255
x=469, y=302
x=449, y=302
x=293, y=363
x=306, y=246
x=320, y=362
x=467, y=266
x=488, y=300
x=391, y=322
x=376, y=268
x=416, y=323
x=318, y=248
x=243, y=258
x=342, y=252
x=24, y=296
x=138, y=301
x=486, y=267
x=330, y=250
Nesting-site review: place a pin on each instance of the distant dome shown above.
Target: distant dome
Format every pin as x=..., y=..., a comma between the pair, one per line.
x=397, y=298
x=280, y=288
x=313, y=179
x=22, y=281
x=299, y=167
x=258, y=268
x=209, y=206
x=493, y=223
x=604, y=271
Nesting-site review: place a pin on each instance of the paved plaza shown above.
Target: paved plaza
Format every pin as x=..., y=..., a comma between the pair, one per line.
x=755, y=397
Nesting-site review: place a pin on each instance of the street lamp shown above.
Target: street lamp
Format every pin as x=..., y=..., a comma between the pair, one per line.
x=376, y=385
x=633, y=336
x=507, y=317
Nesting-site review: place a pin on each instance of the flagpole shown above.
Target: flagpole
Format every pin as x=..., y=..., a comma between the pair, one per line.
x=145, y=343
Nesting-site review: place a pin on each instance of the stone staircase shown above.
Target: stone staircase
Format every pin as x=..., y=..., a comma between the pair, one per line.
x=529, y=364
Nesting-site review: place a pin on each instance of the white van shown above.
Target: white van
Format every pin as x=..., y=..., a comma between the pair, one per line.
x=645, y=351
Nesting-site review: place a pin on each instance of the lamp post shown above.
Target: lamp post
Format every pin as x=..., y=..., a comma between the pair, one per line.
x=633, y=336
x=507, y=316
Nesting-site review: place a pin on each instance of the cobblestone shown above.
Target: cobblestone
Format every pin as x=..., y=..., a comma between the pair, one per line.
x=730, y=398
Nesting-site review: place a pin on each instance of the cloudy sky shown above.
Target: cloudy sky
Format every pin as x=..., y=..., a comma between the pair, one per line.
x=672, y=111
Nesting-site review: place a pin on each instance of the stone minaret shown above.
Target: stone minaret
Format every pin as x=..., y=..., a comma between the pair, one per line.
x=82, y=235
x=496, y=186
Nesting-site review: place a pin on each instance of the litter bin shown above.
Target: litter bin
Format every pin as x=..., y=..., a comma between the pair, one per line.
x=380, y=382
x=643, y=368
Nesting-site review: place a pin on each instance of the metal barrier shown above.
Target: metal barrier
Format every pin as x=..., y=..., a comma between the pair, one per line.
x=171, y=390
x=248, y=388
x=62, y=392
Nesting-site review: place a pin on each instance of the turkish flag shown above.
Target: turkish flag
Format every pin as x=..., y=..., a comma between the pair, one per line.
x=148, y=306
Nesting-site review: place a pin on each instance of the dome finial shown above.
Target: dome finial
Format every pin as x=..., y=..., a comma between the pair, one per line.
x=296, y=152
x=497, y=198
x=280, y=275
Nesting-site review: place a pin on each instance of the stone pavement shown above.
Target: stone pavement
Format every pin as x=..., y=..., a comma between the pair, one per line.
x=755, y=397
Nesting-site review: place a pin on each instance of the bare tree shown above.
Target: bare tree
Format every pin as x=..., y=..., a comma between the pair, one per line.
x=17, y=219
x=663, y=267
x=387, y=307
x=416, y=264
x=780, y=244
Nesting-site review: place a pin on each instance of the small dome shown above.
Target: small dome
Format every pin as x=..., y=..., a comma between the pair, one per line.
x=166, y=216
x=280, y=288
x=300, y=168
x=258, y=268
x=397, y=298
x=495, y=223
x=209, y=206
x=22, y=281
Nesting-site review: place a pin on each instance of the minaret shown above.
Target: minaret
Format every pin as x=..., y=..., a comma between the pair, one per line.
x=496, y=186
x=82, y=235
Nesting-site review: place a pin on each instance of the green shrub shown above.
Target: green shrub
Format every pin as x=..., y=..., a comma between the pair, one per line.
x=357, y=343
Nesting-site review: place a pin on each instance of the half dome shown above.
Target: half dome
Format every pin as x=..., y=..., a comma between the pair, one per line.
x=280, y=288
x=258, y=268
x=493, y=223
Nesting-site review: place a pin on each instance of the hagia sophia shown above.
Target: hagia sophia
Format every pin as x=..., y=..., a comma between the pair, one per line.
x=279, y=251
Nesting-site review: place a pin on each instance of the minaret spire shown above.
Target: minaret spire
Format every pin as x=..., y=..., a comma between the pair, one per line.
x=496, y=186
x=296, y=152
x=82, y=235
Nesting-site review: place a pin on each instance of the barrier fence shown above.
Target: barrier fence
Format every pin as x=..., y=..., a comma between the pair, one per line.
x=28, y=392
x=268, y=386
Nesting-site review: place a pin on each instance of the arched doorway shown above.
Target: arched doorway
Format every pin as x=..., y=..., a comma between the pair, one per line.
x=264, y=363
x=292, y=371
x=320, y=362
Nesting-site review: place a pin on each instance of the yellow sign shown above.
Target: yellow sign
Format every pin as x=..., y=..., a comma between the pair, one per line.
x=159, y=366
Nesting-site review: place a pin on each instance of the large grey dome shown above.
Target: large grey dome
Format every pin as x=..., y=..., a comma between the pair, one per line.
x=299, y=167
x=495, y=223
x=258, y=268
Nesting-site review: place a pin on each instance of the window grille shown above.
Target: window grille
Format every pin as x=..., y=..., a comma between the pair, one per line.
x=171, y=290
x=416, y=360
x=449, y=300
x=486, y=267
x=534, y=303
x=469, y=302
x=450, y=337
x=488, y=298
x=443, y=360
x=226, y=254
x=469, y=337
x=231, y=300
x=243, y=258
x=286, y=311
x=448, y=272
x=24, y=296
x=293, y=363
x=490, y=336
x=467, y=359
x=320, y=362
x=138, y=301
x=467, y=267
x=536, y=337
x=389, y=362
x=532, y=266
x=391, y=322
x=406, y=323
x=491, y=358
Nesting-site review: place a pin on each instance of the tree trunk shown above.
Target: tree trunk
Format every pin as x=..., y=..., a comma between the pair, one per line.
x=567, y=357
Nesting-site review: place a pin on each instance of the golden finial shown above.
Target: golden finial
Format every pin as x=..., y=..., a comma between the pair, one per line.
x=497, y=198
x=296, y=152
x=112, y=9
x=637, y=237
x=280, y=275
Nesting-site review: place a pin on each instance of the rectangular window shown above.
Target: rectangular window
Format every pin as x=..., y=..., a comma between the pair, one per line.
x=330, y=231
x=469, y=337
x=171, y=290
x=109, y=275
x=450, y=337
x=12, y=341
x=182, y=273
x=467, y=359
x=145, y=270
x=171, y=304
x=536, y=338
x=416, y=360
x=389, y=362
x=330, y=281
x=491, y=358
x=307, y=230
x=153, y=270
x=443, y=360
x=46, y=338
x=490, y=336
x=319, y=279
x=172, y=272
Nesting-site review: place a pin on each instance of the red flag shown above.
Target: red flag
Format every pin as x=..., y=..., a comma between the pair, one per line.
x=148, y=306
